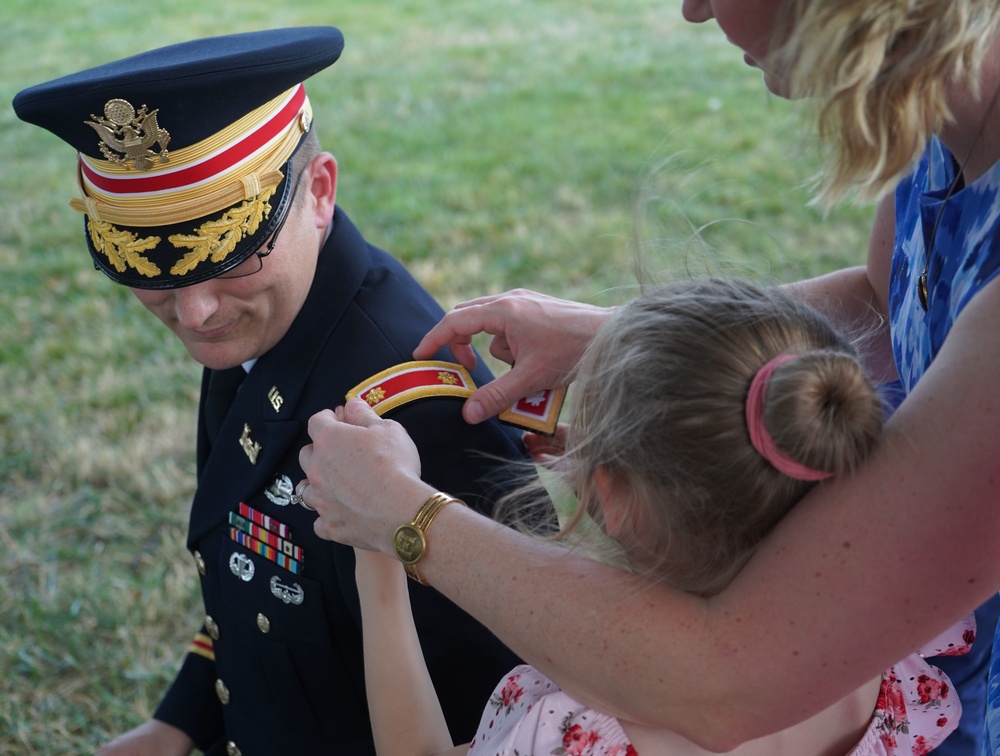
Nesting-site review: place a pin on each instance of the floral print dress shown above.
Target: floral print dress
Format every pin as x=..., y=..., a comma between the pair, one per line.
x=917, y=707
x=529, y=715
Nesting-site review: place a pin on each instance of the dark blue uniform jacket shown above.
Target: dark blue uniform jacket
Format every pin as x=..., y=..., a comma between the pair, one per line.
x=288, y=676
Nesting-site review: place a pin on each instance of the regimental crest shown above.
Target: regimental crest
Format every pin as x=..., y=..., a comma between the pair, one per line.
x=250, y=447
x=127, y=136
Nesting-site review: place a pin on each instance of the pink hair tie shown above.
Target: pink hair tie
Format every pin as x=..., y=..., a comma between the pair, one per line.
x=759, y=436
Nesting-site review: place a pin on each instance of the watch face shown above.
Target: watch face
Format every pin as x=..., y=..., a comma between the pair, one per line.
x=408, y=543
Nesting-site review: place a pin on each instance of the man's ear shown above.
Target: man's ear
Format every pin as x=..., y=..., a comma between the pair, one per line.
x=323, y=187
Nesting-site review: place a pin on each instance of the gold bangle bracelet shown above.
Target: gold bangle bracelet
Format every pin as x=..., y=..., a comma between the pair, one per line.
x=409, y=542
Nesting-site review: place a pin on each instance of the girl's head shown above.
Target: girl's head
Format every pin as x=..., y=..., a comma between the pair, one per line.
x=883, y=71
x=659, y=449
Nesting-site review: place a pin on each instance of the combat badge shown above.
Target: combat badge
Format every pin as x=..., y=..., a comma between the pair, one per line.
x=281, y=491
x=289, y=594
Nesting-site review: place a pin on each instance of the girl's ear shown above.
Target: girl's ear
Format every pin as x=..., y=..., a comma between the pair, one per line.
x=602, y=481
x=611, y=492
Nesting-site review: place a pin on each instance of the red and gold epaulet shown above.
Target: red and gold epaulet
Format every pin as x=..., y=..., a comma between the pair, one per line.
x=409, y=381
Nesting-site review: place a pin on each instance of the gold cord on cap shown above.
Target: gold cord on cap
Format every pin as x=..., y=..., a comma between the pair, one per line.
x=184, y=203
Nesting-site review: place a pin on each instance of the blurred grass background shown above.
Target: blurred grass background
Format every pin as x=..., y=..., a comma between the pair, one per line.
x=488, y=145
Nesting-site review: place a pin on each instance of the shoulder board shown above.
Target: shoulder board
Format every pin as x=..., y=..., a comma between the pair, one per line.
x=410, y=381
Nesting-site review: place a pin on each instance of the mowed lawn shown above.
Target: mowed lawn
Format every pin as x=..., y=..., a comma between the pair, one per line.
x=562, y=146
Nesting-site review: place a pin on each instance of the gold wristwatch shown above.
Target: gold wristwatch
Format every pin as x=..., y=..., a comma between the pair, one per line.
x=409, y=542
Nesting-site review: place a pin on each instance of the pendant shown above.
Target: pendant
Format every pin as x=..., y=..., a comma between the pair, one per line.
x=922, y=290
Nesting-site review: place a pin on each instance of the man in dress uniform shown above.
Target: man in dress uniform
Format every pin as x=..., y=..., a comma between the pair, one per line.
x=204, y=190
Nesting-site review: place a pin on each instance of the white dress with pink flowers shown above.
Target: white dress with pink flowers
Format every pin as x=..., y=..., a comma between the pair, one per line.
x=529, y=715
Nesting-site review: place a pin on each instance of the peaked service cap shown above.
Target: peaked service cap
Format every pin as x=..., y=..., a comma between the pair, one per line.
x=184, y=150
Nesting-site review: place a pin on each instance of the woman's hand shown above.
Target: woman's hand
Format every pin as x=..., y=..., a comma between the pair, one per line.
x=541, y=337
x=363, y=474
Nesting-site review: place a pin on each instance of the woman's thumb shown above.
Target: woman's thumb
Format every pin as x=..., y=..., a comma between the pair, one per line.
x=358, y=412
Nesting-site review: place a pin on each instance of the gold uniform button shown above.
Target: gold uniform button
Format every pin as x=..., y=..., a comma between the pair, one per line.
x=263, y=623
x=232, y=749
x=222, y=692
x=199, y=561
x=212, y=627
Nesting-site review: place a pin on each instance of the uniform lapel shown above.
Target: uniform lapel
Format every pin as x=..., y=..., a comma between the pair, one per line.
x=264, y=419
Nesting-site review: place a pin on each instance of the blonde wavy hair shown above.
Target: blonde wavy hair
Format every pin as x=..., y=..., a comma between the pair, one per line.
x=659, y=408
x=881, y=70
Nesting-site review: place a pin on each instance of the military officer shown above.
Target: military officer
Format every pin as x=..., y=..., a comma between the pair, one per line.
x=204, y=190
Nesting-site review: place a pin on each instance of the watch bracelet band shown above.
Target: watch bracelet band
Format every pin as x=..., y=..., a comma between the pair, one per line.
x=422, y=521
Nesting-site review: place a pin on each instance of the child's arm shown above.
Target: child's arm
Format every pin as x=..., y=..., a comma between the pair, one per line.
x=405, y=712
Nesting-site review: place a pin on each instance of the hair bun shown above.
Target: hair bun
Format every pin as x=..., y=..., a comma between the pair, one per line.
x=823, y=412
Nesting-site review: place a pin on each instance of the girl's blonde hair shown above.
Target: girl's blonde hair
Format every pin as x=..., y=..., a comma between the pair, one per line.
x=881, y=70
x=659, y=408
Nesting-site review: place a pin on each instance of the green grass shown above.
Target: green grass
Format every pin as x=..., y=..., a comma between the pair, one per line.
x=488, y=145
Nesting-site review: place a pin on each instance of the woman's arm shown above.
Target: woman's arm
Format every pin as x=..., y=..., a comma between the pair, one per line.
x=857, y=576
x=405, y=712
x=856, y=300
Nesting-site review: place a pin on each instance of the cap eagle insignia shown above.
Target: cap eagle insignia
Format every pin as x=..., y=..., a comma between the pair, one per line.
x=129, y=135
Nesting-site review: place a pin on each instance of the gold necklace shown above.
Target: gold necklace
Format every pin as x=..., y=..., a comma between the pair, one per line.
x=929, y=246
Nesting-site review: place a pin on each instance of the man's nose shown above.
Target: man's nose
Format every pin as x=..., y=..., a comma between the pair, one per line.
x=195, y=305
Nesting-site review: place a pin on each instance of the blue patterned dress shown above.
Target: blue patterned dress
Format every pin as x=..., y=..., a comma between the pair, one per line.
x=965, y=257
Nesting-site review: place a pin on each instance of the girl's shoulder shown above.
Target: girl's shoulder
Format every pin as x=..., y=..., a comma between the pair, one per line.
x=528, y=713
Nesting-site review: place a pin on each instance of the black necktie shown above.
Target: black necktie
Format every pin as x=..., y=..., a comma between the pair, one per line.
x=222, y=388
